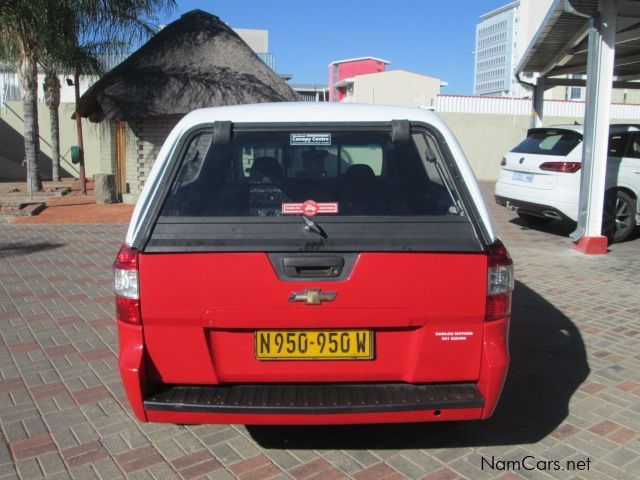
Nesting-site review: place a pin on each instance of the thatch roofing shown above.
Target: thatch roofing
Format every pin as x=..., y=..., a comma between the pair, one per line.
x=196, y=61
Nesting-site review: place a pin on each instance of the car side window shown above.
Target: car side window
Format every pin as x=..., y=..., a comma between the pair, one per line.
x=634, y=147
x=617, y=144
x=194, y=159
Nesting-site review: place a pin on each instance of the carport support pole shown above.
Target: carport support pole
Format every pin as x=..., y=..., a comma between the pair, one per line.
x=600, y=61
x=537, y=115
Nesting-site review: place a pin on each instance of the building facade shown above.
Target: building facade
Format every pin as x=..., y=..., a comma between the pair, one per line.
x=394, y=87
x=311, y=92
x=341, y=72
x=366, y=80
x=496, y=54
x=502, y=36
x=258, y=41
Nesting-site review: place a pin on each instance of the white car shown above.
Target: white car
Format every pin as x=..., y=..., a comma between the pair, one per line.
x=540, y=178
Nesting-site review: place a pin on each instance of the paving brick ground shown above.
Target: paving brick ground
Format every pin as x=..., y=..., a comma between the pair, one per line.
x=573, y=391
x=73, y=208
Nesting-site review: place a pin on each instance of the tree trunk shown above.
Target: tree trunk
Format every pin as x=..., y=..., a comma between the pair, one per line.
x=29, y=83
x=52, y=98
x=55, y=144
x=83, y=178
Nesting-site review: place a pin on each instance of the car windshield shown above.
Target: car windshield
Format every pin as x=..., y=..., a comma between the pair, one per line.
x=549, y=142
x=334, y=172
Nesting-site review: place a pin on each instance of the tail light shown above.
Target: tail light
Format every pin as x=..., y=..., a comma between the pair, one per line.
x=125, y=285
x=503, y=162
x=563, y=167
x=499, y=282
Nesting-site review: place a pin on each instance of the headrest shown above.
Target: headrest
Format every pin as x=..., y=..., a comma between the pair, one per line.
x=359, y=173
x=265, y=169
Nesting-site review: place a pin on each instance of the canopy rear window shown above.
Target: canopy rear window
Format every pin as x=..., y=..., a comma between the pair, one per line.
x=259, y=174
x=340, y=188
x=549, y=142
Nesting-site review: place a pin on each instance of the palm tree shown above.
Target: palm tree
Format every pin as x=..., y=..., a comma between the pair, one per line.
x=27, y=27
x=61, y=57
x=52, y=99
x=108, y=26
x=21, y=26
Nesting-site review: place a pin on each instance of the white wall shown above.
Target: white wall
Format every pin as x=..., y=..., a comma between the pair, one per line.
x=523, y=106
x=396, y=87
x=12, y=143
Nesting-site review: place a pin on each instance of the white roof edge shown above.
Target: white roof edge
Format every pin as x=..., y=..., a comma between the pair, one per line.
x=347, y=60
x=501, y=9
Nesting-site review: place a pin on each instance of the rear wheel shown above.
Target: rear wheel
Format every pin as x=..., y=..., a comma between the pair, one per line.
x=533, y=220
x=619, y=216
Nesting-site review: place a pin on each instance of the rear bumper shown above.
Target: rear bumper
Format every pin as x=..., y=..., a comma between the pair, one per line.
x=315, y=403
x=535, y=201
x=314, y=419
x=535, y=209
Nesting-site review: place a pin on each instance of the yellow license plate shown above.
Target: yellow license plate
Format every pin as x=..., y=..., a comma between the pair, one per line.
x=314, y=344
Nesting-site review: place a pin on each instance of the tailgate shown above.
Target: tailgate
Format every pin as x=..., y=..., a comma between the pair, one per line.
x=523, y=170
x=200, y=312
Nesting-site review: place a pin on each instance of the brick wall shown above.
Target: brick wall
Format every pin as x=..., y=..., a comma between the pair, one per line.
x=144, y=140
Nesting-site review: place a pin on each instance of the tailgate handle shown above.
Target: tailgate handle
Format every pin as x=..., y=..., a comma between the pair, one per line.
x=313, y=267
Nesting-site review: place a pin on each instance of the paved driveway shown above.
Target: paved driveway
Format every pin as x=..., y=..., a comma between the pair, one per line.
x=573, y=390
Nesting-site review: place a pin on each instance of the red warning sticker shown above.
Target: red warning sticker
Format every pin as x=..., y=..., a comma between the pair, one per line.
x=309, y=208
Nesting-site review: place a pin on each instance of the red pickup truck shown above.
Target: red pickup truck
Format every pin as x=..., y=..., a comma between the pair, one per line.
x=312, y=264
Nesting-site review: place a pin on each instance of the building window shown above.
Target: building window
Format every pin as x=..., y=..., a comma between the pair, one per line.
x=575, y=93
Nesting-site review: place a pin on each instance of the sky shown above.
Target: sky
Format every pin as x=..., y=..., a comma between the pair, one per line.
x=430, y=37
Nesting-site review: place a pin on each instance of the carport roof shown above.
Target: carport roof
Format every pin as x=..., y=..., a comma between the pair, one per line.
x=560, y=45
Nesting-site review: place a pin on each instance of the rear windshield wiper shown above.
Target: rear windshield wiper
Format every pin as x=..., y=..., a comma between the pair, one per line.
x=313, y=227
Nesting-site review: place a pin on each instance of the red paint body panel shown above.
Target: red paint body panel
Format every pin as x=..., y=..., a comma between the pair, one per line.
x=132, y=364
x=199, y=312
x=330, y=419
x=494, y=363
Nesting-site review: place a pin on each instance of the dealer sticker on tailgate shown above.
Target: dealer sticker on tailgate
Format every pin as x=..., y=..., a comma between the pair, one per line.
x=314, y=344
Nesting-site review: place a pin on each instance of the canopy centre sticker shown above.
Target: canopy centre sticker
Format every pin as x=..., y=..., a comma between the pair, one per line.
x=309, y=208
x=310, y=139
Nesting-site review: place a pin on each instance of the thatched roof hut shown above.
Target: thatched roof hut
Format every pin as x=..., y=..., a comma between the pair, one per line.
x=196, y=61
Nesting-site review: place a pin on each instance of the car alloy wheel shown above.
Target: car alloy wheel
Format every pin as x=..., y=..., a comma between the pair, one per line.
x=619, y=215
